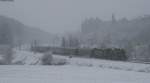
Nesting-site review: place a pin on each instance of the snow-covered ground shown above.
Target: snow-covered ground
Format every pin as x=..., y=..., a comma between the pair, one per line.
x=69, y=74
x=76, y=70
x=117, y=65
x=30, y=58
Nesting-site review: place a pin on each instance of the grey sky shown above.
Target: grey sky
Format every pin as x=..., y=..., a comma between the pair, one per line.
x=59, y=16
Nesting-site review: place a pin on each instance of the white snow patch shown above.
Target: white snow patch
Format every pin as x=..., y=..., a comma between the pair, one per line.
x=26, y=58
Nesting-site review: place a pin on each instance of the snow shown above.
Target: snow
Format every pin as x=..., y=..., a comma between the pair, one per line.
x=68, y=74
x=30, y=58
x=117, y=65
x=26, y=58
x=77, y=70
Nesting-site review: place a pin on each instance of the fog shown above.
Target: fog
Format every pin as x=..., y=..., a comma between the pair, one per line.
x=60, y=16
x=74, y=41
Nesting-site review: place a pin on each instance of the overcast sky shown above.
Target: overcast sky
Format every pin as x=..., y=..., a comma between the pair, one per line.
x=59, y=16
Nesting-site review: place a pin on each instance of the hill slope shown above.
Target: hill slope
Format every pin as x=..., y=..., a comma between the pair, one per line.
x=24, y=34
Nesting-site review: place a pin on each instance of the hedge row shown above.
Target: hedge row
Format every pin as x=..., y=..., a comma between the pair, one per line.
x=109, y=53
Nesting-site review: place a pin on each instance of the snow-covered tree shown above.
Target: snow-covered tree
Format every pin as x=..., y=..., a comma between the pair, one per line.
x=6, y=43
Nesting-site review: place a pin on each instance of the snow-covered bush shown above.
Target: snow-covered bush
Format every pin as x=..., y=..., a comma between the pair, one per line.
x=59, y=61
x=47, y=58
x=24, y=57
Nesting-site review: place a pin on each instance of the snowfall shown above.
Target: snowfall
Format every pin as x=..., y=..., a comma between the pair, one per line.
x=76, y=70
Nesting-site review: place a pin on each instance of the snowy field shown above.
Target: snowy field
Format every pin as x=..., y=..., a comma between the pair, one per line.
x=76, y=70
x=30, y=58
x=69, y=74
